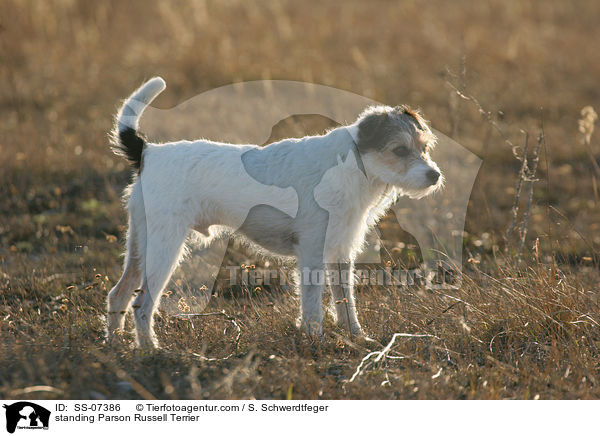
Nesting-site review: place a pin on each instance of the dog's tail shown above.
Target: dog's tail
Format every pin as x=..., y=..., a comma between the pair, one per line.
x=125, y=139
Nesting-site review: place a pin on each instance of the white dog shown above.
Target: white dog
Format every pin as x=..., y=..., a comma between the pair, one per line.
x=312, y=198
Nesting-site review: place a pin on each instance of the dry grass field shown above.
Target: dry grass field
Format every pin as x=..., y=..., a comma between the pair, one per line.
x=522, y=331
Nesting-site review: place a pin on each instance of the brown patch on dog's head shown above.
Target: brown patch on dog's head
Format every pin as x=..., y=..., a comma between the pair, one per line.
x=381, y=125
x=414, y=113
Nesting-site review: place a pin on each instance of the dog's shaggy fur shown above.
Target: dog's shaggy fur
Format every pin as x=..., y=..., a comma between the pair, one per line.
x=312, y=198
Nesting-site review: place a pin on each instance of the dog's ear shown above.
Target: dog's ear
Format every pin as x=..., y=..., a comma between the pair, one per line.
x=373, y=131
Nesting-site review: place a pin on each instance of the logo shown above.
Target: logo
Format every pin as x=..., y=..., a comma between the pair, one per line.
x=436, y=222
x=26, y=415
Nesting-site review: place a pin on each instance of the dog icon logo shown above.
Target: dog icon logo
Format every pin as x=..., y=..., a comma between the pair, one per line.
x=26, y=415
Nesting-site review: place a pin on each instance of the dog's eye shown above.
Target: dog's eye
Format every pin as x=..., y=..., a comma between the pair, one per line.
x=401, y=151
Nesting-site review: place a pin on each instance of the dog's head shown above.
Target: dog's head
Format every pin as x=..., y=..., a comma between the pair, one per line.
x=394, y=144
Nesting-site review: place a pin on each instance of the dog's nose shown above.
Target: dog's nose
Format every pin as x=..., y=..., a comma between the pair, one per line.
x=433, y=176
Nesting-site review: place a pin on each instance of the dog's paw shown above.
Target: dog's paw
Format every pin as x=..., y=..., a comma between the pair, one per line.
x=148, y=349
x=147, y=342
x=113, y=336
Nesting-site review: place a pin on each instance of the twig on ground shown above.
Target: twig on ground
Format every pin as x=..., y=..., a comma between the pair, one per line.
x=376, y=357
x=34, y=390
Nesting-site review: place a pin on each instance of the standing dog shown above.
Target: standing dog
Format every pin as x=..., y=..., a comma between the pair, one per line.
x=312, y=198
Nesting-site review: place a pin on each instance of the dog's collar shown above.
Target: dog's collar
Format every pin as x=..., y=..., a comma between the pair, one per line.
x=353, y=132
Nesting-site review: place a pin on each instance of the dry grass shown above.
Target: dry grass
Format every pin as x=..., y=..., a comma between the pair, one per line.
x=507, y=333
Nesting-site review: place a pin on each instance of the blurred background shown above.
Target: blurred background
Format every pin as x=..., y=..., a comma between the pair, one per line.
x=66, y=65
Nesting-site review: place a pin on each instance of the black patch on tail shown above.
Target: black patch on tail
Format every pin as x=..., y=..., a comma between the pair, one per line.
x=131, y=146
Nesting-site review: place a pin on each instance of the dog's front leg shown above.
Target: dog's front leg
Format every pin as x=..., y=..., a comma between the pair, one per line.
x=342, y=288
x=312, y=282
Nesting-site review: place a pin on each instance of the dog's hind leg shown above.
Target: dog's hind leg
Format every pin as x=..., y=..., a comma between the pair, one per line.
x=164, y=249
x=121, y=295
